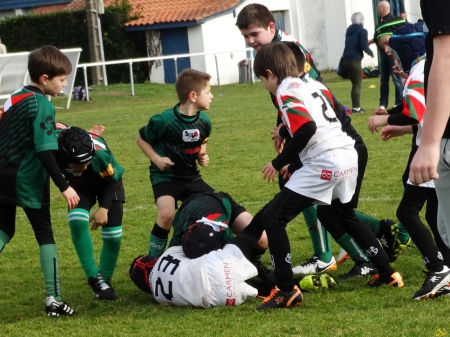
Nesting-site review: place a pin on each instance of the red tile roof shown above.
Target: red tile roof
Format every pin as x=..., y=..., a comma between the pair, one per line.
x=169, y=11
x=49, y=9
x=80, y=4
x=173, y=11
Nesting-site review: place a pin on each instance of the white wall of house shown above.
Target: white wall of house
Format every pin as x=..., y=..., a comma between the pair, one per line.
x=14, y=12
x=222, y=37
x=320, y=25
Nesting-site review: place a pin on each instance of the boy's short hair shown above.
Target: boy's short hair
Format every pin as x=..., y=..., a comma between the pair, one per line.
x=254, y=14
x=48, y=60
x=278, y=58
x=190, y=80
x=299, y=56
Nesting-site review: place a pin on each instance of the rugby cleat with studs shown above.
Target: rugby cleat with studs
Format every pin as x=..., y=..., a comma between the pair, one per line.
x=317, y=282
x=55, y=309
x=280, y=299
x=432, y=284
x=388, y=237
x=359, y=269
x=395, y=280
x=315, y=266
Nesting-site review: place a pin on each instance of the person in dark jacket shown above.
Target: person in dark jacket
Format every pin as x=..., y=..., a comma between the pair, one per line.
x=388, y=23
x=355, y=44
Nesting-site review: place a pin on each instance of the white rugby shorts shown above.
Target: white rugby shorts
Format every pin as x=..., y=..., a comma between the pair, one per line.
x=332, y=175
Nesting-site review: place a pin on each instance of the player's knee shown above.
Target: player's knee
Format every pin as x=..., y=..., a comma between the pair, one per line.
x=165, y=219
x=263, y=242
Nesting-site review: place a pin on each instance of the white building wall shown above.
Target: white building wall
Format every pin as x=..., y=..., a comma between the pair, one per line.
x=319, y=25
x=412, y=8
x=221, y=37
x=322, y=27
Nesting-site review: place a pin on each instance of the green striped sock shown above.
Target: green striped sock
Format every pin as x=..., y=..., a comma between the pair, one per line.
x=111, y=237
x=82, y=241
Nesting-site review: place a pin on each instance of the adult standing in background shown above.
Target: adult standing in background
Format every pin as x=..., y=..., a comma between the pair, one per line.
x=355, y=44
x=2, y=47
x=432, y=157
x=404, y=16
x=386, y=62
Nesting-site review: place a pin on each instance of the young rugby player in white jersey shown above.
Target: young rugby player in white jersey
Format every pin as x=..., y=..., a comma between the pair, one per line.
x=202, y=273
x=257, y=26
x=384, y=229
x=327, y=177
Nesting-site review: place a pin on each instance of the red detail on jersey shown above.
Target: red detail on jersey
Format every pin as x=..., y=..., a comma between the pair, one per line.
x=192, y=151
x=293, y=85
x=328, y=95
x=416, y=105
x=326, y=175
x=97, y=148
x=230, y=302
x=16, y=99
x=418, y=86
x=412, y=106
x=297, y=113
x=215, y=216
x=13, y=100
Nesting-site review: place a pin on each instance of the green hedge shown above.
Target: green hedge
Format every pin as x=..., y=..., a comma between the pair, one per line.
x=68, y=29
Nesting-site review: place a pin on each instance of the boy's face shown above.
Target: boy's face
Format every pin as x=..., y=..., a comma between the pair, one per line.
x=256, y=37
x=54, y=86
x=204, y=99
x=270, y=83
x=79, y=167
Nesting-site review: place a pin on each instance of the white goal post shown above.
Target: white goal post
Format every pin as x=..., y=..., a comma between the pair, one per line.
x=14, y=72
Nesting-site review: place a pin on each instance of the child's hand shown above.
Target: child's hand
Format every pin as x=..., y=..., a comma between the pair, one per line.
x=269, y=172
x=376, y=121
x=285, y=173
x=391, y=131
x=60, y=126
x=71, y=197
x=203, y=159
x=380, y=111
x=164, y=163
x=278, y=141
x=97, y=129
x=275, y=132
x=278, y=145
x=99, y=218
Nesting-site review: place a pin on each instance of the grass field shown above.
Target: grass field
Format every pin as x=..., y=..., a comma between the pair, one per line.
x=239, y=147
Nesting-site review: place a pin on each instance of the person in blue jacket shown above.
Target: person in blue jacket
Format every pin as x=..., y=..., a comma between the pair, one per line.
x=355, y=44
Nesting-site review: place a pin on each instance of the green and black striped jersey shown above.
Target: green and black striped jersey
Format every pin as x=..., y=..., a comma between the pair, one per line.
x=179, y=138
x=27, y=127
x=210, y=207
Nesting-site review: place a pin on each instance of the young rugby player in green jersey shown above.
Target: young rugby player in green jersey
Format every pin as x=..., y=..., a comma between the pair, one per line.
x=175, y=141
x=91, y=169
x=27, y=145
